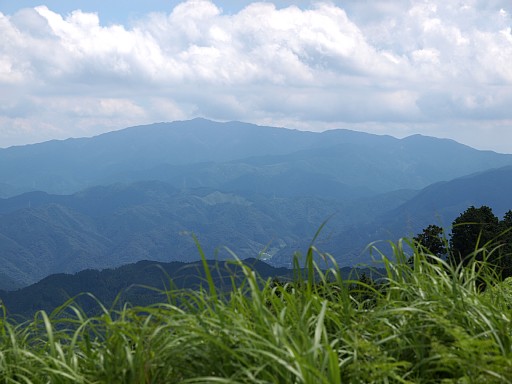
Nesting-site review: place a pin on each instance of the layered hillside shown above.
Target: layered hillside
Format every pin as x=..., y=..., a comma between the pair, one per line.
x=143, y=192
x=239, y=156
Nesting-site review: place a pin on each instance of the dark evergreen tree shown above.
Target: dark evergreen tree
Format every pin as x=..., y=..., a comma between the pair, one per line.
x=432, y=239
x=506, y=243
x=507, y=219
x=473, y=229
x=478, y=229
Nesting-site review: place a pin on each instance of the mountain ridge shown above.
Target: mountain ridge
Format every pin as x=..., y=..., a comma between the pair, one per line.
x=439, y=204
x=130, y=200
x=127, y=155
x=140, y=283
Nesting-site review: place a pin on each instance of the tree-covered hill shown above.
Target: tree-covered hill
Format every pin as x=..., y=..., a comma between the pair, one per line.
x=140, y=192
x=448, y=199
x=126, y=281
x=142, y=283
x=237, y=156
x=105, y=227
x=437, y=204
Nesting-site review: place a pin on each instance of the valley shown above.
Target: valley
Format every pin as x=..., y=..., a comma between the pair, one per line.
x=142, y=194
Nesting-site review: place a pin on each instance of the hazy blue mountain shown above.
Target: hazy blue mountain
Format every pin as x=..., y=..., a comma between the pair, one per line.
x=239, y=156
x=139, y=193
x=438, y=204
x=35, y=241
x=369, y=167
x=7, y=283
x=129, y=284
x=107, y=284
x=107, y=226
x=441, y=203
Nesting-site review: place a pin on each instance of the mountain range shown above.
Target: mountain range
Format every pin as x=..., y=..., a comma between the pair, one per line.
x=141, y=283
x=146, y=282
x=238, y=156
x=140, y=193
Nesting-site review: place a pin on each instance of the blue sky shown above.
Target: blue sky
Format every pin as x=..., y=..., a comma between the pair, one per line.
x=398, y=67
x=122, y=11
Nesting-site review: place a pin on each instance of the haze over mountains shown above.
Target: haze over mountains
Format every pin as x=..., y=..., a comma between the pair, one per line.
x=205, y=153
x=139, y=193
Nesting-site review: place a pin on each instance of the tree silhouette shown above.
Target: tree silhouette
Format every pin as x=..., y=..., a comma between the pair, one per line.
x=471, y=230
x=432, y=239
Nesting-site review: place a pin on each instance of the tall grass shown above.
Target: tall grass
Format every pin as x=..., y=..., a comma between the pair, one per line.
x=424, y=322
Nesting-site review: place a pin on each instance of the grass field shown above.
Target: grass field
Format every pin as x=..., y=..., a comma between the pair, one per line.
x=424, y=322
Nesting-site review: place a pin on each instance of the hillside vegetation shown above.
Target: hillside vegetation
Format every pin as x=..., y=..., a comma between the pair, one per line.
x=138, y=193
x=424, y=322
x=128, y=283
x=108, y=226
x=240, y=157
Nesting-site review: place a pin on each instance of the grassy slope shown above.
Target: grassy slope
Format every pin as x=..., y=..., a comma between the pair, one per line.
x=431, y=324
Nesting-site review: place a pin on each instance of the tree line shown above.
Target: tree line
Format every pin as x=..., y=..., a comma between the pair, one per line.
x=477, y=234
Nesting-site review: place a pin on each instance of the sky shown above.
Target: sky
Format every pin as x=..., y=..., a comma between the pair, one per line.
x=397, y=67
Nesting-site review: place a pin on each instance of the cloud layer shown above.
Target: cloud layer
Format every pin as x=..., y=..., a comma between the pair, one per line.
x=398, y=67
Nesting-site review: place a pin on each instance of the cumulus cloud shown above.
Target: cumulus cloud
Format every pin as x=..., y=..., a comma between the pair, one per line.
x=396, y=67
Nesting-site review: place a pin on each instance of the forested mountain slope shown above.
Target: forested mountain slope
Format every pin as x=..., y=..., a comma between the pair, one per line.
x=437, y=204
x=104, y=227
x=233, y=156
x=140, y=193
x=142, y=283
x=128, y=281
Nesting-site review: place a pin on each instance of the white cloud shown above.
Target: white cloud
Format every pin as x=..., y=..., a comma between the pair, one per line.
x=409, y=66
x=167, y=110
